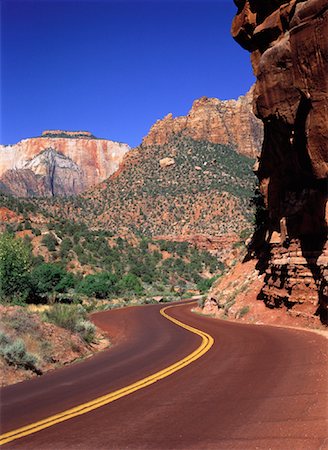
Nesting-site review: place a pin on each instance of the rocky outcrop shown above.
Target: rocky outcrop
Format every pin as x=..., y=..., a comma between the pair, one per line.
x=217, y=121
x=166, y=162
x=289, y=47
x=58, y=163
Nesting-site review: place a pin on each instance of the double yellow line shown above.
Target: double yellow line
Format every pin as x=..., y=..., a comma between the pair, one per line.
x=207, y=342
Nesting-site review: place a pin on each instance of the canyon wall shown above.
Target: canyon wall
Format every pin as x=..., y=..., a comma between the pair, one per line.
x=289, y=47
x=58, y=163
x=217, y=121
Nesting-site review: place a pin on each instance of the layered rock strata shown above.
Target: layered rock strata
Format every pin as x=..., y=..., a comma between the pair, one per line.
x=289, y=47
x=217, y=121
x=58, y=163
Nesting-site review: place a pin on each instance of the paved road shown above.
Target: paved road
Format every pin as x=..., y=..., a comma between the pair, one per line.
x=256, y=388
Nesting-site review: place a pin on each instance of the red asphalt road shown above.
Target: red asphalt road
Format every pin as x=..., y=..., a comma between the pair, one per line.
x=258, y=387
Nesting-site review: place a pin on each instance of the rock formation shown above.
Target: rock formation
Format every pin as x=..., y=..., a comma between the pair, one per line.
x=289, y=47
x=217, y=121
x=58, y=163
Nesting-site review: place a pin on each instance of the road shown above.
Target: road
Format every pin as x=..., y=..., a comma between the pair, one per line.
x=256, y=387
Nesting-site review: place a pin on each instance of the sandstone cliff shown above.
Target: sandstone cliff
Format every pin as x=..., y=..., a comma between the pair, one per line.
x=217, y=121
x=289, y=47
x=58, y=163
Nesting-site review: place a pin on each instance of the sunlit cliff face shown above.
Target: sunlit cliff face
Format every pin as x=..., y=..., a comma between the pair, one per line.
x=58, y=163
x=289, y=46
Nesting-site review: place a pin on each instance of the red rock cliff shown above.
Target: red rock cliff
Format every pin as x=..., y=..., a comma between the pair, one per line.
x=217, y=121
x=289, y=47
x=58, y=163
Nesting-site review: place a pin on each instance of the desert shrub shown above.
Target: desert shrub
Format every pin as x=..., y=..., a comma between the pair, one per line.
x=4, y=339
x=87, y=330
x=201, y=302
x=20, y=321
x=72, y=318
x=229, y=303
x=242, y=312
x=14, y=352
x=65, y=316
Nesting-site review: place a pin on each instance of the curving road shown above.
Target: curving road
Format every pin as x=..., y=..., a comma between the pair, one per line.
x=257, y=387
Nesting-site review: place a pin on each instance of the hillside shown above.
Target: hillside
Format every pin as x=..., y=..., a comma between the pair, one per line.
x=178, y=188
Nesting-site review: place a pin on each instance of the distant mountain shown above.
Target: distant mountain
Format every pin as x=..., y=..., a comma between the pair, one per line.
x=230, y=122
x=59, y=163
x=190, y=179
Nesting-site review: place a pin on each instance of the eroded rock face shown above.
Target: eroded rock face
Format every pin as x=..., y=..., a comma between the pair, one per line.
x=289, y=46
x=58, y=163
x=217, y=121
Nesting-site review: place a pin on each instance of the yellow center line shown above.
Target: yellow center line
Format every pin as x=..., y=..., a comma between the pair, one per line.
x=207, y=342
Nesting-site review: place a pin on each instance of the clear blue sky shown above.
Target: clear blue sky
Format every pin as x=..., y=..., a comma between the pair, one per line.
x=113, y=67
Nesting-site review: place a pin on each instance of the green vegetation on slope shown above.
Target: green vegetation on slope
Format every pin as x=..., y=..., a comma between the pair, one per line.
x=207, y=188
x=117, y=268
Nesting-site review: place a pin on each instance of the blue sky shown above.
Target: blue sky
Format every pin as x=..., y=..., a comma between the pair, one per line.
x=113, y=67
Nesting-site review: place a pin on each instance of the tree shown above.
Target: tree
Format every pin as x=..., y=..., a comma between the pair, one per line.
x=47, y=278
x=99, y=285
x=130, y=283
x=15, y=262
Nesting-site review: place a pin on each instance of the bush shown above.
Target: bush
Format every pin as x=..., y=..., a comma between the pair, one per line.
x=201, y=302
x=242, y=312
x=14, y=352
x=72, y=318
x=65, y=316
x=87, y=330
x=21, y=321
x=49, y=241
x=205, y=284
x=4, y=339
x=65, y=247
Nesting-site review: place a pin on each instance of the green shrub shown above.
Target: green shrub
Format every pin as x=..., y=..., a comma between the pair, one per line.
x=65, y=247
x=36, y=231
x=205, y=284
x=50, y=242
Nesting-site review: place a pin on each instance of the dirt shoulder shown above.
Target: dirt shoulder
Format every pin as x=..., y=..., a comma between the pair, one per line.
x=30, y=346
x=235, y=297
